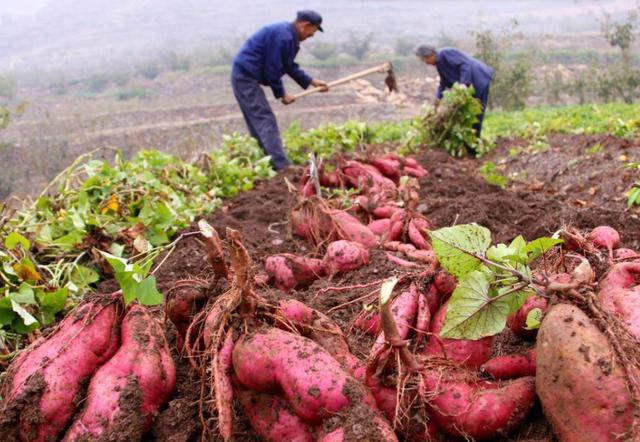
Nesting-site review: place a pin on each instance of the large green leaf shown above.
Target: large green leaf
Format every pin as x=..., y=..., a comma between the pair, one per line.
x=14, y=238
x=454, y=247
x=147, y=292
x=540, y=246
x=472, y=313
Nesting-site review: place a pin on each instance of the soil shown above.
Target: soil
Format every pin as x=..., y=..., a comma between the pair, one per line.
x=453, y=193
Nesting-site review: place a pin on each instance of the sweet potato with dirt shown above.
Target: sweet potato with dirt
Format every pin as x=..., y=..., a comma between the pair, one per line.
x=344, y=256
x=362, y=176
x=405, y=310
x=417, y=232
x=578, y=379
x=469, y=353
x=288, y=271
x=380, y=227
x=388, y=166
x=125, y=394
x=44, y=384
x=445, y=283
x=182, y=303
x=350, y=228
x=605, y=237
x=272, y=419
x=476, y=409
x=368, y=322
x=517, y=321
x=511, y=366
x=311, y=380
x=619, y=294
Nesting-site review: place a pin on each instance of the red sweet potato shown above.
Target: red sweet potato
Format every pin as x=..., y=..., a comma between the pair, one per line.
x=579, y=381
x=272, y=360
x=423, y=319
x=44, y=383
x=417, y=233
x=401, y=262
x=619, y=294
x=345, y=256
x=126, y=393
x=379, y=430
x=471, y=354
x=517, y=321
x=511, y=366
x=350, y=228
x=389, y=167
x=272, y=418
x=380, y=227
x=414, y=171
x=361, y=175
x=293, y=272
x=385, y=211
x=476, y=410
x=368, y=322
x=223, y=388
x=625, y=254
x=605, y=237
x=181, y=305
x=404, y=309
x=445, y=283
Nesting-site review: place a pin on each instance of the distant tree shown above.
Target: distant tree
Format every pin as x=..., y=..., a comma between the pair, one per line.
x=358, y=47
x=5, y=117
x=98, y=83
x=323, y=51
x=7, y=87
x=149, y=70
x=177, y=62
x=446, y=40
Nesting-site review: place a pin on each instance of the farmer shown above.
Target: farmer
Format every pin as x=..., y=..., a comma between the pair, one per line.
x=263, y=60
x=455, y=66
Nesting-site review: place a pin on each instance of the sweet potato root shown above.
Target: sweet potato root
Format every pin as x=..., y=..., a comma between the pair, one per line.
x=511, y=366
x=478, y=410
x=289, y=271
x=44, y=383
x=344, y=256
x=620, y=294
x=471, y=354
x=404, y=309
x=350, y=228
x=126, y=393
x=578, y=379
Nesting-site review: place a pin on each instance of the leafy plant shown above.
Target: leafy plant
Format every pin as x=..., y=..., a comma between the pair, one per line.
x=149, y=70
x=489, y=172
x=493, y=281
x=404, y=47
x=323, y=51
x=358, y=47
x=134, y=280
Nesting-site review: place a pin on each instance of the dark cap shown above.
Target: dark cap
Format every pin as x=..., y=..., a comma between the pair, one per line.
x=312, y=17
x=426, y=51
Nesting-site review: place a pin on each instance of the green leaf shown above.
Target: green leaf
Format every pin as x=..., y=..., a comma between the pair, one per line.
x=454, y=246
x=540, y=246
x=84, y=276
x=128, y=285
x=118, y=264
x=148, y=293
x=27, y=318
x=116, y=249
x=13, y=239
x=472, y=313
x=6, y=316
x=54, y=302
x=534, y=319
x=24, y=295
x=516, y=299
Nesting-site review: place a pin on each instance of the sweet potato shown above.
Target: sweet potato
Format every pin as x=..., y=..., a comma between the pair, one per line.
x=414, y=171
x=401, y=262
x=517, y=321
x=511, y=366
x=380, y=227
x=350, y=228
x=126, y=393
x=385, y=211
x=625, y=254
x=620, y=294
x=605, y=237
x=321, y=329
x=423, y=318
x=345, y=256
x=445, y=283
x=368, y=322
x=43, y=385
x=223, y=388
x=272, y=418
x=471, y=354
x=476, y=410
x=361, y=175
x=311, y=219
x=389, y=167
x=404, y=309
x=311, y=380
x=181, y=305
x=417, y=233
x=578, y=379
x=293, y=272
x=377, y=430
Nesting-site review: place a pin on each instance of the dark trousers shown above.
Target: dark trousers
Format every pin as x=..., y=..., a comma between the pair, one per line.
x=483, y=96
x=259, y=117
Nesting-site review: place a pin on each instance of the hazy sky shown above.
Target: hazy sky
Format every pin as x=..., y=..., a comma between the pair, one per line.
x=21, y=7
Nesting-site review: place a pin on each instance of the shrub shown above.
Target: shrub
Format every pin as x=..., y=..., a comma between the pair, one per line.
x=323, y=51
x=149, y=70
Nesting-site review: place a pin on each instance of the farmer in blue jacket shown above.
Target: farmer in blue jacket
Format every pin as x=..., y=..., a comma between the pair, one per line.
x=455, y=66
x=263, y=60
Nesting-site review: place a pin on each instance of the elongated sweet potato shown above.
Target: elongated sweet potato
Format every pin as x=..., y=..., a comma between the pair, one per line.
x=416, y=230
x=311, y=380
x=620, y=294
x=350, y=228
x=126, y=393
x=272, y=418
x=511, y=366
x=293, y=272
x=445, y=283
x=389, y=167
x=368, y=322
x=578, y=379
x=477, y=410
x=404, y=309
x=361, y=175
x=344, y=256
x=517, y=321
x=386, y=211
x=43, y=385
x=471, y=354
x=380, y=227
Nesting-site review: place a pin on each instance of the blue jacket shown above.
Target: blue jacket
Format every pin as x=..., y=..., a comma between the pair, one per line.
x=455, y=66
x=269, y=54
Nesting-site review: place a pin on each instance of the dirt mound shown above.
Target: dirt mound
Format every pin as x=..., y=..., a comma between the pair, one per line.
x=452, y=193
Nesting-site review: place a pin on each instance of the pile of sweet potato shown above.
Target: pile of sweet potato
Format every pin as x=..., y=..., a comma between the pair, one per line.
x=125, y=360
